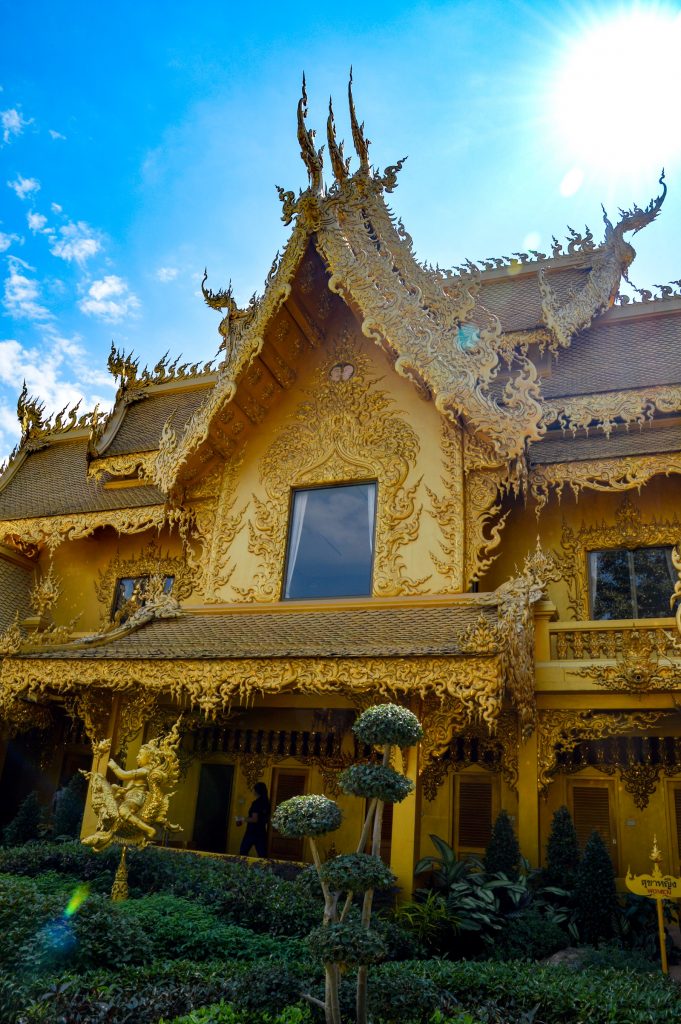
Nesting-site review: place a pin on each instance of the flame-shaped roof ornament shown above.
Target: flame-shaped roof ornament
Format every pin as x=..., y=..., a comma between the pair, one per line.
x=312, y=158
x=340, y=164
x=361, y=143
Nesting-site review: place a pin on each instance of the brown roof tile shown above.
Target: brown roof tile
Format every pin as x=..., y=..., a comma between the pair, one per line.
x=53, y=481
x=619, y=354
x=15, y=587
x=387, y=632
x=558, y=447
x=143, y=422
x=517, y=302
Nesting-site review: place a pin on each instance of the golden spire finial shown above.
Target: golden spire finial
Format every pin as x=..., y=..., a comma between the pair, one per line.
x=360, y=142
x=339, y=163
x=311, y=157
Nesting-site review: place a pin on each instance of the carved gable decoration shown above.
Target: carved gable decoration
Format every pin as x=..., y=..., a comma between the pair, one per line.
x=345, y=429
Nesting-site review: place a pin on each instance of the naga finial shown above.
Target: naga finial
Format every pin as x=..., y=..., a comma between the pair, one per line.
x=339, y=163
x=360, y=142
x=311, y=157
x=218, y=300
x=636, y=218
x=29, y=413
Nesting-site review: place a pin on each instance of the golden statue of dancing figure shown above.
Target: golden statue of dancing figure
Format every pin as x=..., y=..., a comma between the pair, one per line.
x=131, y=813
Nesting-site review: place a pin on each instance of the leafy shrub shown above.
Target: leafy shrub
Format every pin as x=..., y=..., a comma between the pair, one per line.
x=27, y=822
x=311, y=815
x=357, y=872
x=348, y=943
x=611, y=955
x=562, y=850
x=225, y=1013
x=388, y=723
x=503, y=853
x=375, y=780
x=528, y=935
x=595, y=892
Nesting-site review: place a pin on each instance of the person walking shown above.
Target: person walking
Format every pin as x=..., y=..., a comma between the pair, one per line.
x=256, y=823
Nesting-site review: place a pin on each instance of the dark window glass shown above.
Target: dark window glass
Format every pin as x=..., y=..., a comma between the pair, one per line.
x=631, y=584
x=331, y=542
x=126, y=586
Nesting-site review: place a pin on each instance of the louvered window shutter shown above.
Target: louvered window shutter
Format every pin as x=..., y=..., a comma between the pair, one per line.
x=475, y=813
x=591, y=813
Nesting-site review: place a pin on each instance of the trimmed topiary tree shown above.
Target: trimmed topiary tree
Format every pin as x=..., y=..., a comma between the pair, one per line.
x=339, y=941
x=503, y=853
x=26, y=824
x=595, y=892
x=562, y=850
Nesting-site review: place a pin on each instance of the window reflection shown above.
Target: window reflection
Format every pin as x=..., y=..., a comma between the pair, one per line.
x=331, y=542
x=633, y=584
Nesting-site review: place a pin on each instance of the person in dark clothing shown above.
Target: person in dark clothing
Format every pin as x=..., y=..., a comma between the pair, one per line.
x=256, y=823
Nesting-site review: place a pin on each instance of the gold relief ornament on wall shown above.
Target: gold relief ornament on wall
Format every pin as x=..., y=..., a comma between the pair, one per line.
x=150, y=562
x=219, y=528
x=346, y=429
x=562, y=731
x=629, y=529
x=448, y=510
x=132, y=812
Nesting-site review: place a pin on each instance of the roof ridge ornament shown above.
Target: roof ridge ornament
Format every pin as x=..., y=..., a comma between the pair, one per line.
x=339, y=162
x=360, y=142
x=600, y=290
x=312, y=158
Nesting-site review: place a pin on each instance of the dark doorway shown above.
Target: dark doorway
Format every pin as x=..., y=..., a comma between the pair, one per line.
x=285, y=784
x=22, y=774
x=212, y=807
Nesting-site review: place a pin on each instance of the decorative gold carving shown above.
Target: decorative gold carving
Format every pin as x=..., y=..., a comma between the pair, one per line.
x=612, y=641
x=563, y=730
x=93, y=708
x=224, y=523
x=514, y=600
x=136, y=464
x=447, y=510
x=603, y=281
x=630, y=529
x=483, y=522
x=498, y=753
x=50, y=531
x=481, y=637
x=12, y=638
x=637, y=671
x=472, y=687
x=149, y=562
x=675, y=599
x=344, y=430
x=640, y=781
x=131, y=813
x=414, y=313
x=45, y=593
x=600, y=475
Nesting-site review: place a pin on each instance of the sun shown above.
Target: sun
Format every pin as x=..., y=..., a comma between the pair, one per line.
x=614, y=101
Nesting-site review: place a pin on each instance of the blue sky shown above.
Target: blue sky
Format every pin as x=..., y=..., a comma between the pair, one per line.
x=142, y=142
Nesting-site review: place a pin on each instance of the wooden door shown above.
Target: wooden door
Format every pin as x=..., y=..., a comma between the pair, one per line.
x=475, y=808
x=286, y=782
x=592, y=807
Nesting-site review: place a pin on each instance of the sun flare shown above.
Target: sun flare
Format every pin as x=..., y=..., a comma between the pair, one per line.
x=616, y=92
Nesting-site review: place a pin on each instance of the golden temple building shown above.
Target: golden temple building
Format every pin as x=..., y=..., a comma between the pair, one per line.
x=457, y=490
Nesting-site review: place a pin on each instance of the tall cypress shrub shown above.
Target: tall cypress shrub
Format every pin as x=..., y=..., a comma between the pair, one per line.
x=595, y=893
x=503, y=853
x=25, y=825
x=562, y=850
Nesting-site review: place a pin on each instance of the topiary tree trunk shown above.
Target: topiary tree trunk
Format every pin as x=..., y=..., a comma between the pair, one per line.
x=339, y=941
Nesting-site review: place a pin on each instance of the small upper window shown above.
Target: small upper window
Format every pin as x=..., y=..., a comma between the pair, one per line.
x=331, y=542
x=631, y=584
x=128, y=585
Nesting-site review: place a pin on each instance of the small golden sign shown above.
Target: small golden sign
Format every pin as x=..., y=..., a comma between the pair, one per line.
x=659, y=887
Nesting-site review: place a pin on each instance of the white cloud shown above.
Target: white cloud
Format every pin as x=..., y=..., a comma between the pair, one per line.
x=36, y=221
x=56, y=135
x=6, y=240
x=24, y=186
x=22, y=293
x=78, y=242
x=11, y=124
x=56, y=208
x=57, y=371
x=166, y=274
x=109, y=299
